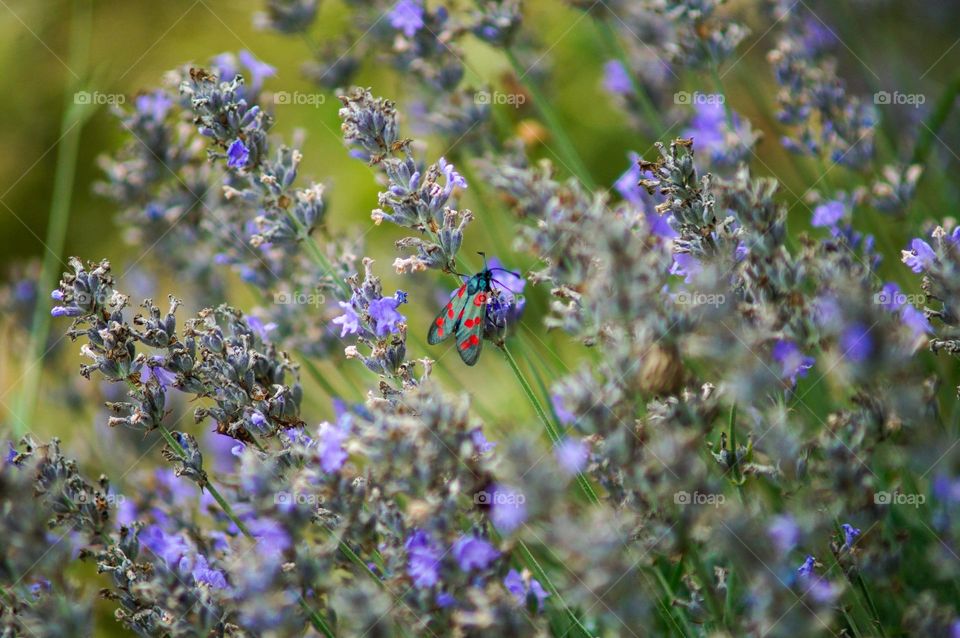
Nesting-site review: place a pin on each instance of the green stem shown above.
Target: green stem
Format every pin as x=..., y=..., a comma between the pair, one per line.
x=316, y=619
x=546, y=111
x=314, y=252
x=732, y=435
x=538, y=572
x=71, y=124
x=552, y=431
x=668, y=590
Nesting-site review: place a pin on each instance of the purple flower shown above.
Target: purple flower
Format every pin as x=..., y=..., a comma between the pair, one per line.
x=66, y=311
x=829, y=213
x=850, y=534
x=349, y=322
x=472, y=553
x=508, y=508
x=565, y=416
x=916, y=320
x=856, y=343
x=889, y=296
x=330, y=440
x=272, y=538
x=445, y=600
x=258, y=420
x=261, y=329
x=40, y=586
x=628, y=184
x=826, y=312
x=946, y=490
x=170, y=548
x=156, y=105
x=572, y=455
x=709, y=128
x=407, y=16
x=454, y=179
x=686, y=265
x=920, y=257
x=480, y=441
x=616, y=78
x=792, y=362
x=819, y=588
x=154, y=369
x=518, y=588
x=11, y=453
x=203, y=574
x=423, y=559
x=784, y=533
x=259, y=71
x=385, y=316
x=237, y=154
x=806, y=569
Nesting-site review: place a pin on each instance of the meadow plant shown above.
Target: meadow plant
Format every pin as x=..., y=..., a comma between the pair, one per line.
x=750, y=429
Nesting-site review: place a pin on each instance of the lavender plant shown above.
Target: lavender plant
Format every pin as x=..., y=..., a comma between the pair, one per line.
x=750, y=428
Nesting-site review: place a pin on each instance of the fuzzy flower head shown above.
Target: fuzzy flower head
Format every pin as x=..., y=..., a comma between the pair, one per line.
x=829, y=213
x=784, y=533
x=508, y=509
x=349, y=322
x=407, y=16
x=330, y=439
x=237, y=154
x=423, y=559
x=920, y=257
x=525, y=589
x=616, y=78
x=850, y=534
x=793, y=363
x=383, y=313
x=856, y=343
x=474, y=553
x=506, y=305
x=572, y=455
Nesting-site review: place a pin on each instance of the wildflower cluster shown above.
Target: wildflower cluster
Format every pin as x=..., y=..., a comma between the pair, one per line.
x=750, y=429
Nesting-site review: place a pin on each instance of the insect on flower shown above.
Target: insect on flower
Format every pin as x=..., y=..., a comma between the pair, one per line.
x=465, y=313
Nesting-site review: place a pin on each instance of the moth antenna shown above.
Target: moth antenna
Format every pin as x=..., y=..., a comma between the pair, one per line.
x=504, y=285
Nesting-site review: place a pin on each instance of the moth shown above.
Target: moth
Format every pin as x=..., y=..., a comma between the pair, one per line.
x=465, y=314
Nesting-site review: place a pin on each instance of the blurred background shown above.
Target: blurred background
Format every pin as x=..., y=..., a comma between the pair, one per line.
x=882, y=46
x=909, y=47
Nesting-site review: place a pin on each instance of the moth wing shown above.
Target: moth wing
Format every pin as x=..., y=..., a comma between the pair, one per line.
x=470, y=329
x=447, y=322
